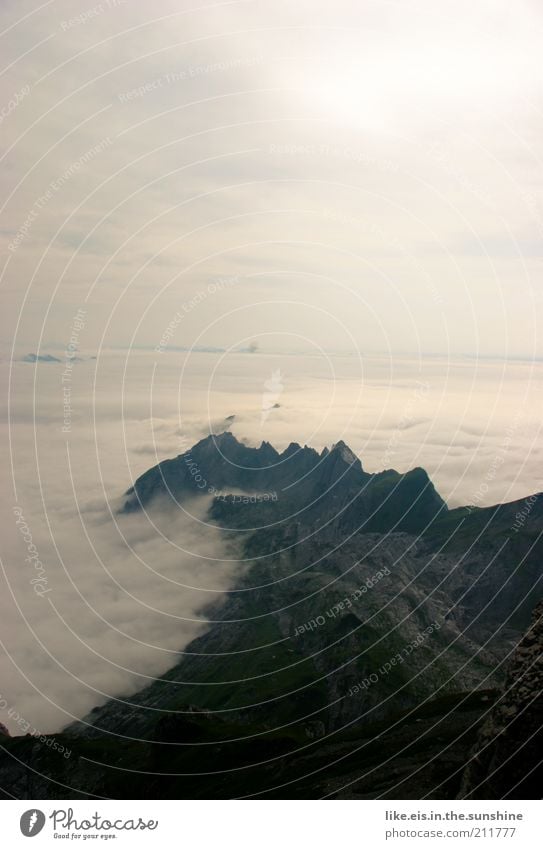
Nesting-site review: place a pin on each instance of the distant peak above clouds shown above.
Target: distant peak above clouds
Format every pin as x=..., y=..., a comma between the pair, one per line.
x=40, y=358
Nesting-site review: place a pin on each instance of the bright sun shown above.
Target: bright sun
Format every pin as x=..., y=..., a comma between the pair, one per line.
x=382, y=86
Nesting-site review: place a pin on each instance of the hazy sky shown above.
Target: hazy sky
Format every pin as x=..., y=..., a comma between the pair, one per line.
x=365, y=174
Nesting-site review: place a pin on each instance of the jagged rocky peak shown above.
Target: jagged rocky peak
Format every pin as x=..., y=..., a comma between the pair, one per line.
x=292, y=448
x=347, y=455
x=225, y=437
x=226, y=440
x=419, y=472
x=267, y=449
x=226, y=443
x=299, y=476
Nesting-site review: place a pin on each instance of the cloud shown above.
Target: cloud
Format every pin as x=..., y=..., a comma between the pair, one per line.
x=115, y=604
x=94, y=604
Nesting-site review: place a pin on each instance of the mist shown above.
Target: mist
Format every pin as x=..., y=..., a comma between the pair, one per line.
x=94, y=603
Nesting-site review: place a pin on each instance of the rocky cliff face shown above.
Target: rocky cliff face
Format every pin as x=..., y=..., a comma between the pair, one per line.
x=507, y=760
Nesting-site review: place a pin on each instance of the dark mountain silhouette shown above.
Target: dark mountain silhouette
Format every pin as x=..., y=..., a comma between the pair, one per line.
x=307, y=484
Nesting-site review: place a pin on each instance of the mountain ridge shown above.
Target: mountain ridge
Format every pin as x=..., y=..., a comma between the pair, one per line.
x=326, y=484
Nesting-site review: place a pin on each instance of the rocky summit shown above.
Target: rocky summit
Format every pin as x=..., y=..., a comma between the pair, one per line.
x=301, y=484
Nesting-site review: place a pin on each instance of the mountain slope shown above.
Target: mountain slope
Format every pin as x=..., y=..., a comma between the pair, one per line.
x=328, y=609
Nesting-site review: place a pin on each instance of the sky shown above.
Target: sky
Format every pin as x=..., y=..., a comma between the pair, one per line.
x=365, y=176
x=345, y=199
